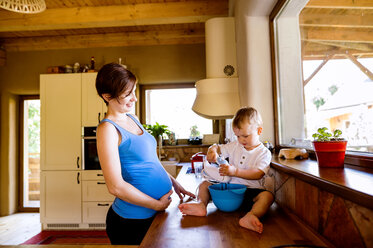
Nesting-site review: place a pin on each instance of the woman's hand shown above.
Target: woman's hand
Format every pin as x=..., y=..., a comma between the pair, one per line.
x=227, y=170
x=180, y=191
x=164, y=201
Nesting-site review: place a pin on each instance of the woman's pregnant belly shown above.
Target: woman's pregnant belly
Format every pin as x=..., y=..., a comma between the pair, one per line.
x=149, y=178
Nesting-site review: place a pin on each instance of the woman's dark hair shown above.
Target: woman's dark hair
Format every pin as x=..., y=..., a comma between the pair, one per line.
x=114, y=79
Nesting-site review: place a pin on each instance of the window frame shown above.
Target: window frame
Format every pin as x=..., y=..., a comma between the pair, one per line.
x=359, y=159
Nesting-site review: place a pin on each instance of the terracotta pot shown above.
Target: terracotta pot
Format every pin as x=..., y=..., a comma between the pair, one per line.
x=330, y=153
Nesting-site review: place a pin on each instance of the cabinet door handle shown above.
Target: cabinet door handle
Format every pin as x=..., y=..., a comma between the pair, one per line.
x=101, y=183
x=99, y=117
x=77, y=161
x=77, y=178
x=102, y=205
x=100, y=175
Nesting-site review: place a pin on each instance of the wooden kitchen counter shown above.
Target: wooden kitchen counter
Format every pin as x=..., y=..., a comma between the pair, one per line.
x=220, y=229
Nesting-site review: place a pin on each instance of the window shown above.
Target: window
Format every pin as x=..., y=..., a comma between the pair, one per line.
x=324, y=72
x=30, y=153
x=340, y=96
x=171, y=105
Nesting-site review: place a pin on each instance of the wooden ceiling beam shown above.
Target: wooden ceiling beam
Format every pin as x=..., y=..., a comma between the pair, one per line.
x=327, y=58
x=311, y=52
x=142, y=38
x=337, y=34
x=347, y=45
x=365, y=70
x=114, y=16
x=331, y=20
x=343, y=4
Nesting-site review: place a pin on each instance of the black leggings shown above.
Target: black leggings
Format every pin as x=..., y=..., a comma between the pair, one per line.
x=122, y=231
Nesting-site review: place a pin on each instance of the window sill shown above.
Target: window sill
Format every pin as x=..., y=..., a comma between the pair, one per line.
x=352, y=183
x=361, y=159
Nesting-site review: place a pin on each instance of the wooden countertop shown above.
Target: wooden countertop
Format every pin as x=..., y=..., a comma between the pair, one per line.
x=219, y=229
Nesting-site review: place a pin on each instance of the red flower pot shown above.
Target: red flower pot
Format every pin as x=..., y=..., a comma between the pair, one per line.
x=330, y=153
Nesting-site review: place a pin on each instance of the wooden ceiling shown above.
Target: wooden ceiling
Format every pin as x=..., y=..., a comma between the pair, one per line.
x=337, y=28
x=327, y=26
x=109, y=23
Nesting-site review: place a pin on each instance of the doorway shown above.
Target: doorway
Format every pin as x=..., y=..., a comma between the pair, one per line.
x=29, y=153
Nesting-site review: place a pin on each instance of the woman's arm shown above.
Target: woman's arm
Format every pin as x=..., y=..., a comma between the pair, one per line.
x=107, y=148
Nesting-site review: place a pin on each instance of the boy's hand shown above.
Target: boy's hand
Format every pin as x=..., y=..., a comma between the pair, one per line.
x=212, y=154
x=227, y=170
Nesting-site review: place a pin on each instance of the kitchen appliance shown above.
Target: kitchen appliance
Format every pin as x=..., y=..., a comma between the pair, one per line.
x=90, y=156
x=221, y=73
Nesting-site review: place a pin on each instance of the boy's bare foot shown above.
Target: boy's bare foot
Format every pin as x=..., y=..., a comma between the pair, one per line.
x=196, y=209
x=251, y=222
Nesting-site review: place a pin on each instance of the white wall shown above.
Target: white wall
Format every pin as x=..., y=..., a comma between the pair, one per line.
x=254, y=59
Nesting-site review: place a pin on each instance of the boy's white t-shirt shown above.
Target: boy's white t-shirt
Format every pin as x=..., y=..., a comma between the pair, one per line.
x=258, y=158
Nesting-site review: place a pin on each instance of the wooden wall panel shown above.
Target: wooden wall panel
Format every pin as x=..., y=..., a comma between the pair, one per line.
x=363, y=219
x=307, y=203
x=341, y=222
x=340, y=228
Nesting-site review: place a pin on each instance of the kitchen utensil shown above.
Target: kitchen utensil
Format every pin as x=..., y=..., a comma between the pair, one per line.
x=227, y=197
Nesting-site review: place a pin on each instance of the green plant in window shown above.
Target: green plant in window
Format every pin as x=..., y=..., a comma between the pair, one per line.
x=333, y=89
x=322, y=134
x=194, y=132
x=157, y=130
x=33, y=128
x=318, y=101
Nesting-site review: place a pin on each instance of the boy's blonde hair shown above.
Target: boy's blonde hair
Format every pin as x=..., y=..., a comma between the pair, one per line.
x=247, y=114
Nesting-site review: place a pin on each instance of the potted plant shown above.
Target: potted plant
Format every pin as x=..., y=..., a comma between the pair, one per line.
x=330, y=148
x=194, y=137
x=157, y=130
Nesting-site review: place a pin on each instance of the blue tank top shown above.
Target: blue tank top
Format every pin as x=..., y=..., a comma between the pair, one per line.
x=140, y=168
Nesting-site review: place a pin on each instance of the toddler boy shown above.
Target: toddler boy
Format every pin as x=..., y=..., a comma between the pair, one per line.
x=248, y=164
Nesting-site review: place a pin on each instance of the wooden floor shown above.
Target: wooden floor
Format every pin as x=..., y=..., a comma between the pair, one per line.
x=17, y=228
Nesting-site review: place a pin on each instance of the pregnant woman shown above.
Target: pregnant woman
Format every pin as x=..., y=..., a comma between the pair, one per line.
x=128, y=158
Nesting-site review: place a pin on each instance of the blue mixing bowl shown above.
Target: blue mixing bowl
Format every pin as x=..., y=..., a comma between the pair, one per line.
x=227, y=197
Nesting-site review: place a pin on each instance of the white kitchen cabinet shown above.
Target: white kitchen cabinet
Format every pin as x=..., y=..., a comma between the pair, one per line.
x=96, y=197
x=60, y=96
x=96, y=191
x=93, y=107
x=95, y=212
x=61, y=198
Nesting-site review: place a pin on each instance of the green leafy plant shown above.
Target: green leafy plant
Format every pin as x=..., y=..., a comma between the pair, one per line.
x=157, y=130
x=194, y=131
x=318, y=101
x=322, y=134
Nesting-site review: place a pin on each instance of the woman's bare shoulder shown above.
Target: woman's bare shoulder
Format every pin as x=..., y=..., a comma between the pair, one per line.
x=105, y=127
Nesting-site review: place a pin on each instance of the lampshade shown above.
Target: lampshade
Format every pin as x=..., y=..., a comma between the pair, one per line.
x=23, y=6
x=217, y=98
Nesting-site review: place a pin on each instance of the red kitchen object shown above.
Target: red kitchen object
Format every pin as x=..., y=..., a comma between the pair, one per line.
x=198, y=157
